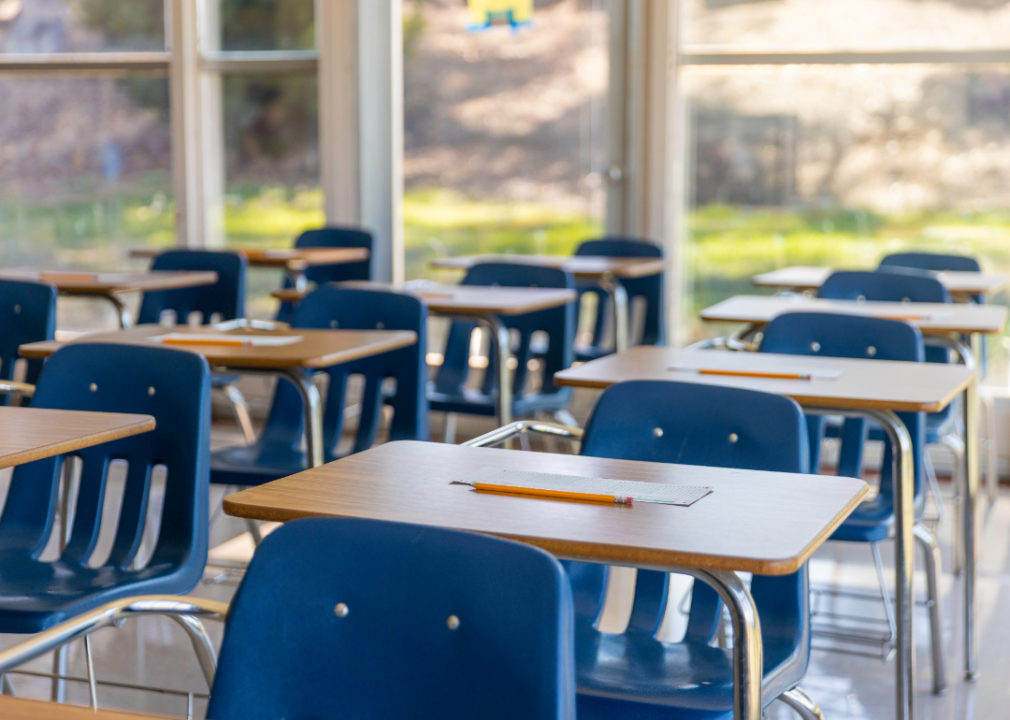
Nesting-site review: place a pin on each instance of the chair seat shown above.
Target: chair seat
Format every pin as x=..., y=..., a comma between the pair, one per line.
x=872, y=521
x=475, y=402
x=35, y=596
x=252, y=465
x=634, y=667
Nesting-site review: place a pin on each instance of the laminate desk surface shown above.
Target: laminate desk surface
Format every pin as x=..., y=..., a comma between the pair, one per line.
x=17, y=709
x=581, y=266
x=762, y=522
x=928, y=317
x=316, y=349
x=863, y=384
x=97, y=283
x=466, y=299
x=290, y=258
x=961, y=284
x=28, y=434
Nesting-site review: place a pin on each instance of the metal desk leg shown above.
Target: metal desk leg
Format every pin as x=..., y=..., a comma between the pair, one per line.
x=313, y=405
x=748, y=672
x=969, y=509
x=904, y=557
x=122, y=311
x=502, y=342
x=298, y=279
x=619, y=296
x=904, y=548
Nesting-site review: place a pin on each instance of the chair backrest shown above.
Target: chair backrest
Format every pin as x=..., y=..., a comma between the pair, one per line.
x=853, y=336
x=171, y=385
x=335, y=307
x=648, y=288
x=348, y=618
x=883, y=287
x=557, y=323
x=27, y=314
x=932, y=261
x=337, y=237
x=225, y=298
x=713, y=426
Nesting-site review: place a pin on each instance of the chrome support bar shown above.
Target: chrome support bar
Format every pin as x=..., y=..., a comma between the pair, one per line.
x=502, y=434
x=312, y=405
x=10, y=387
x=622, y=321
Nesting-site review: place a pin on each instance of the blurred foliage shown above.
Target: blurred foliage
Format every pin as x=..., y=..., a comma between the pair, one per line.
x=135, y=23
x=267, y=24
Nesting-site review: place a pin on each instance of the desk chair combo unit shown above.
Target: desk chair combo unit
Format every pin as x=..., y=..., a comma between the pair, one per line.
x=173, y=387
x=624, y=291
x=633, y=674
x=832, y=335
x=383, y=620
x=448, y=391
x=394, y=380
x=222, y=301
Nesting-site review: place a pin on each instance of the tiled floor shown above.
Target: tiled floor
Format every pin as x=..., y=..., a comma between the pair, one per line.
x=155, y=651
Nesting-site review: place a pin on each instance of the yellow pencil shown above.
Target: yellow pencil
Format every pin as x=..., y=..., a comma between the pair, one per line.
x=558, y=494
x=756, y=374
x=202, y=341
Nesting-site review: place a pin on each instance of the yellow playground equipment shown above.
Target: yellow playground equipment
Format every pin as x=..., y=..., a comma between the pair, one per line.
x=485, y=13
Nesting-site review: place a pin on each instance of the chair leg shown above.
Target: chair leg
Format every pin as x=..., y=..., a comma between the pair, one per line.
x=241, y=409
x=92, y=689
x=884, y=594
x=59, y=687
x=566, y=418
x=934, y=486
x=804, y=706
x=254, y=530
x=956, y=445
x=992, y=450
x=202, y=645
x=5, y=686
x=449, y=436
x=931, y=553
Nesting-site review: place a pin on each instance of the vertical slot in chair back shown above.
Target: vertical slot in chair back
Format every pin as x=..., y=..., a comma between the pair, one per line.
x=225, y=298
x=557, y=323
x=171, y=385
x=361, y=618
x=649, y=288
x=27, y=315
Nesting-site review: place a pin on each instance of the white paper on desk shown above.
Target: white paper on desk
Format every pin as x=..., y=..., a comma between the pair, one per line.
x=663, y=493
x=697, y=364
x=253, y=340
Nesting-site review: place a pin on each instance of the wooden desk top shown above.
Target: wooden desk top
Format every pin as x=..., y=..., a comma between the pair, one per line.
x=762, y=522
x=17, y=709
x=466, y=299
x=961, y=284
x=582, y=266
x=928, y=317
x=290, y=258
x=28, y=434
x=317, y=349
x=92, y=283
x=863, y=384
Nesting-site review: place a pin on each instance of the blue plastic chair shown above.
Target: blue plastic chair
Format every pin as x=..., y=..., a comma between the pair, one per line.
x=278, y=451
x=388, y=620
x=853, y=336
x=174, y=387
x=225, y=298
x=650, y=289
x=27, y=314
x=448, y=391
x=331, y=237
x=935, y=262
x=222, y=301
x=634, y=675
x=905, y=285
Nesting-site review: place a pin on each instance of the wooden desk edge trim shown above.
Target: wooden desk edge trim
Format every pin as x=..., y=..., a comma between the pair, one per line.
x=606, y=554
x=409, y=338
x=145, y=424
x=932, y=329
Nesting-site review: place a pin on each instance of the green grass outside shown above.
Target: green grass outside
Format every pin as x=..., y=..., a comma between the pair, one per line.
x=727, y=245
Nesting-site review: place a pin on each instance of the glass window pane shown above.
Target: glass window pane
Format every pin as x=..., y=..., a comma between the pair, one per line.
x=272, y=168
x=55, y=26
x=827, y=25
x=84, y=176
x=839, y=165
x=267, y=24
x=505, y=132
